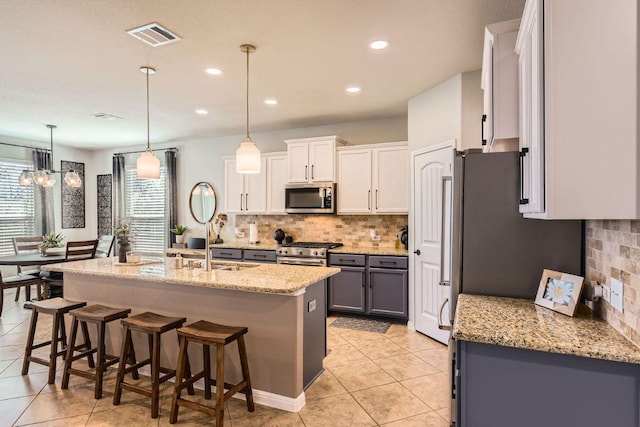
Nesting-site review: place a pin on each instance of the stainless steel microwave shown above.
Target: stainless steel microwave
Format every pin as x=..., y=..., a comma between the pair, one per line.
x=310, y=198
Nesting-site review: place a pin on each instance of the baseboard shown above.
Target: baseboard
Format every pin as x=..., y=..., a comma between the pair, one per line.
x=410, y=326
x=290, y=404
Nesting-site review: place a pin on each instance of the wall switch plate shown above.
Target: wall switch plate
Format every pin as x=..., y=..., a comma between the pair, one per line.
x=606, y=293
x=617, y=294
x=312, y=305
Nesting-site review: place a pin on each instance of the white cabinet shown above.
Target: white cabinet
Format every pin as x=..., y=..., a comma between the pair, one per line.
x=579, y=102
x=276, y=181
x=312, y=159
x=499, y=82
x=245, y=193
x=373, y=179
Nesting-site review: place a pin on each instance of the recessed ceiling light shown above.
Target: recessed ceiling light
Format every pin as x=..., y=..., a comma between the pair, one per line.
x=270, y=101
x=379, y=44
x=202, y=112
x=353, y=89
x=213, y=71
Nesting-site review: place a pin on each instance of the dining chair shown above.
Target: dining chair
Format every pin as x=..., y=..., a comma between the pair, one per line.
x=17, y=282
x=75, y=251
x=24, y=245
x=105, y=245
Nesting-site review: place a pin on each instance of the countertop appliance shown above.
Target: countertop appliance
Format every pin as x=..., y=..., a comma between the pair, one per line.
x=310, y=198
x=305, y=253
x=494, y=249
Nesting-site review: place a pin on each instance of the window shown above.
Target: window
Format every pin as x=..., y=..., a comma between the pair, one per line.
x=17, y=205
x=145, y=209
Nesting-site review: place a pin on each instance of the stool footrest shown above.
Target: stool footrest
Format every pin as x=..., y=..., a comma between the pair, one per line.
x=83, y=354
x=136, y=366
x=136, y=389
x=84, y=374
x=197, y=406
x=38, y=360
x=187, y=382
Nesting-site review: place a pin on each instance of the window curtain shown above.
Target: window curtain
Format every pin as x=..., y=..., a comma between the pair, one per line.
x=45, y=220
x=172, y=194
x=118, y=189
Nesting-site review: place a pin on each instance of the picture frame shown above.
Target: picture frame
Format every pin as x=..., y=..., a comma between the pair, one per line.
x=559, y=291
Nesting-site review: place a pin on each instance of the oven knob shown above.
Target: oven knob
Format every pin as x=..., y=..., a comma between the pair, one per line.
x=315, y=253
x=322, y=253
x=299, y=252
x=283, y=251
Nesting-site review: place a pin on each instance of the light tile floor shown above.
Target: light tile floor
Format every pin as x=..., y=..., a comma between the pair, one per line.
x=394, y=379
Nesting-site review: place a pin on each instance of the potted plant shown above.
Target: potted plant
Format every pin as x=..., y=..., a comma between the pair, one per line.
x=52, y=240
x=123, y=235
x=179, y=231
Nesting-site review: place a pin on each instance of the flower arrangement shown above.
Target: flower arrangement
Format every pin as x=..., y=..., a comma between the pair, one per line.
x=52, y=240
x=122, y=232
x=179, y=230
x=217, y=226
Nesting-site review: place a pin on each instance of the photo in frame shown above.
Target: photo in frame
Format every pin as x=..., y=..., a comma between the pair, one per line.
x=73, y=213
x=559, y=291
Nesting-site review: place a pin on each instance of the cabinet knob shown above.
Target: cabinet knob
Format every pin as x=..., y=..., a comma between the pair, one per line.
x=417, y=252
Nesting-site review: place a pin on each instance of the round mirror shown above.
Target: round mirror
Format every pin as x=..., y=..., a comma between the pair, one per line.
x=202, y=202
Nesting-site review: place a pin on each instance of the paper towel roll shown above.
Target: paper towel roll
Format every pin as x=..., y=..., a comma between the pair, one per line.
x=253, y=233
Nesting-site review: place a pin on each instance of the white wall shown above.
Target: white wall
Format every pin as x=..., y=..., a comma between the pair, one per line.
x=472, y=109
x=202, y=159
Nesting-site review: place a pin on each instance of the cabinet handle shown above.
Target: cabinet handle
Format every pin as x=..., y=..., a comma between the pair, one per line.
x=246, y=201
x=440, y=325
x=259, y=256
x=306, y=177
x=484, y=119
x=388, y=262
x=363, y=279
x=347, y=260
x=369, y=200
x=226, y=253
x=376, y=199
x=241, y=202
x=312, y=172
x=523, y=153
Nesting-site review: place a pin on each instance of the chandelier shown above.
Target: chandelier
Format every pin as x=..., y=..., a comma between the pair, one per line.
x=45, y=177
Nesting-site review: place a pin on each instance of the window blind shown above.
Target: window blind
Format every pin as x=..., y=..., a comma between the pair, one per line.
x=145, y=208
x=17, y=205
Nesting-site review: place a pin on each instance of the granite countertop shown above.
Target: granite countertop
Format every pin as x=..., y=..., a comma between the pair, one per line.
x=265, y=278
x=369, y=250
x=520, y=323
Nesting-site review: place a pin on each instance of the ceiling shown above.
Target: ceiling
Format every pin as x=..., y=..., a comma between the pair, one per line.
x=63, y=61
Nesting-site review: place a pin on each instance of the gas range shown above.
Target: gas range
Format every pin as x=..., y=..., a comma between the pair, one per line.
x=305, y=253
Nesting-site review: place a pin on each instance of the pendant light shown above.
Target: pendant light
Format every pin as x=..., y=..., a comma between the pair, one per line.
x=248, y=155
x=45, y=177
x=148, y=165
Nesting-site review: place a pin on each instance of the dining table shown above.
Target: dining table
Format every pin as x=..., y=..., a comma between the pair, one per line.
x=30, y=260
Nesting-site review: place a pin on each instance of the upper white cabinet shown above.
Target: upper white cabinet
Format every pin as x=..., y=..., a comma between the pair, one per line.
x=276, y=181
x=245, y=193
x=578, y=64
x=312, y=159
x=499, y=82
x=373, y=179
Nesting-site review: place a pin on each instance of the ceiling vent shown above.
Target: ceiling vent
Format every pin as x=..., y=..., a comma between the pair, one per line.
x=154, y=34
x=106, y=116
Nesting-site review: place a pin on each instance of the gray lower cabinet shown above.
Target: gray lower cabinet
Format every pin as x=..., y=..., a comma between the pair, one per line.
x=259, y=255
x=505, y=387
x=376, y=285
x=347, y=290
x=388, y=292
x=231, y=254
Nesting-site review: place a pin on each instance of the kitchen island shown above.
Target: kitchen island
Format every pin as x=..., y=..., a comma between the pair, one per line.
x=283, y=307
x=521, y=364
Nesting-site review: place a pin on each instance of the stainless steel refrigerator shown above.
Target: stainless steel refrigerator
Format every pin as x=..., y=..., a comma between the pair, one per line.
x=495, y=250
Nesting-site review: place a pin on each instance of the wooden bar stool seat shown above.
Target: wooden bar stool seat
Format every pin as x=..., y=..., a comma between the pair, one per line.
x=208, y=334
x=154, y=325
x=99, y=315
x=57, y=307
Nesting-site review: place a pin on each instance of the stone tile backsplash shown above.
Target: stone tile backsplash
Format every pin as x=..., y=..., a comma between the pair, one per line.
x=613, y=250
x=351, y=230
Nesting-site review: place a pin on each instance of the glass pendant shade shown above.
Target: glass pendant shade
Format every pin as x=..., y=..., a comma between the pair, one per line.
x=148, y=166
x=248, y=157
x=41, y=176
x=51, y=181
x=72, y=179
x=26, y=178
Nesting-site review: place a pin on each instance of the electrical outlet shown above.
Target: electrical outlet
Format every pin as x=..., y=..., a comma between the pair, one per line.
x=312, y=305
x=617, y=294
x=606, y=293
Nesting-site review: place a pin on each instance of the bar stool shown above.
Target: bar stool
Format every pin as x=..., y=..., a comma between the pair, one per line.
x=208, y=334
x=154, y=325
x=57, y=307
x=100, y=315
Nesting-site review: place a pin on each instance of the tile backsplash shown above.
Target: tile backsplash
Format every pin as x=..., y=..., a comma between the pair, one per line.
x=351, y=230
x=613, y=250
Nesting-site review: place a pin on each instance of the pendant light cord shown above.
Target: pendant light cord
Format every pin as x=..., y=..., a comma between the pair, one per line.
x=148, y=137
x=248, y=134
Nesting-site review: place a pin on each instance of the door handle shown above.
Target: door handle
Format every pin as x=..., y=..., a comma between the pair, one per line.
x=442, y=229
x=484, y=119
x=440, y=325
x=417, y=252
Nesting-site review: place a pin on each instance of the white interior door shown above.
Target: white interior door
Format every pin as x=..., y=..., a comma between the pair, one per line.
x=432, y=183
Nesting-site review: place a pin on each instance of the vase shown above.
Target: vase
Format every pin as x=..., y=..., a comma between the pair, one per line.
x=180, y=238
x=122, y=252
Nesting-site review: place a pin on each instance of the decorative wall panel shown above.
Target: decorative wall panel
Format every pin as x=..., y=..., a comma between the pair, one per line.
x=105, y=220
x=73, y=214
